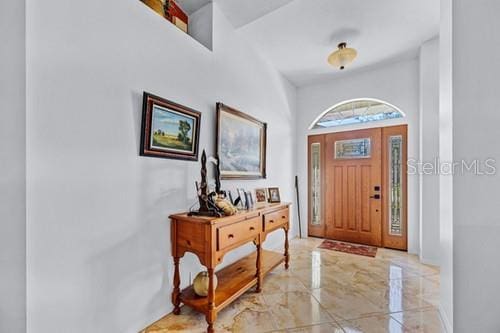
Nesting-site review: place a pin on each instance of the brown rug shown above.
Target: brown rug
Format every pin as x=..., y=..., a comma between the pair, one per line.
x=362, y=250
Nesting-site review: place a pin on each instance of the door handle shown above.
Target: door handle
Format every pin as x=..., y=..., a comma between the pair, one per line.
x=376, y=196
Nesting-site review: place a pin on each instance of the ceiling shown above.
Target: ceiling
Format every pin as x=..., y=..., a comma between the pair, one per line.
x=242, y=12
x=239, y=12
x=298, y=35
x=190, y=6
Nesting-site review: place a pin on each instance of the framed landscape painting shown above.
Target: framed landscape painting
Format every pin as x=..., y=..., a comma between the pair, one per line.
x=169, y=130
x=241, y=144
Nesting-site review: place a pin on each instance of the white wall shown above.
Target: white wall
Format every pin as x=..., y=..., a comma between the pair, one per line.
x=397, y=84
x=429, y=152
x=12, y=168
x=201, y=25
x=98, y=230
x=476, y=222
x=446, y=156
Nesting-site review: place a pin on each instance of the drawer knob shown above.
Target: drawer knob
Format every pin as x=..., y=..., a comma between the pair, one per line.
x=188, y=243
x=252, y=228
x=283, y=217
x=271, y=221
x=230, y=236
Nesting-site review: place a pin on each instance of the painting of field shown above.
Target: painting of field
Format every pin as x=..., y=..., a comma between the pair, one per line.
x=171, y=130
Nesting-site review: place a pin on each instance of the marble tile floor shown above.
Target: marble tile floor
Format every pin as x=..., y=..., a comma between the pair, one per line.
x=329, y=291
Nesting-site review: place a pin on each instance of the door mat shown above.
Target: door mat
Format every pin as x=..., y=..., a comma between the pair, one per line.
x=362, y=250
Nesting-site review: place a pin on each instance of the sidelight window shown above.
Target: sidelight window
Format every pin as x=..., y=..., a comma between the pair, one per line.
x=316, y=183
x=395, y=181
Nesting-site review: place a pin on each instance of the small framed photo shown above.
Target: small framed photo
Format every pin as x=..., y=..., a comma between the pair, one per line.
x=169, y=130
x=250, y=202
x=243, y=197
x=274, y=194
x=260, y=195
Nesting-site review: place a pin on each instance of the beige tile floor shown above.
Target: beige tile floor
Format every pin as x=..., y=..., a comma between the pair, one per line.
x=329, y=291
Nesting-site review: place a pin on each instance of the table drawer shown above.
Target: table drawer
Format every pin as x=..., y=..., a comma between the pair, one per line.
x=191, y=236
x=238, y=232
x=275, y=220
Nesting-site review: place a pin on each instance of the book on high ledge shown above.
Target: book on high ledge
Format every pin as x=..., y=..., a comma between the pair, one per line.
x=175, y=14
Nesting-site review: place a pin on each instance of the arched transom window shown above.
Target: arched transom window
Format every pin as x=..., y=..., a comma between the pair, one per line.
x=356, y=111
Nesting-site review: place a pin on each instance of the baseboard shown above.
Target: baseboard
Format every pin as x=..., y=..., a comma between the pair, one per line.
x=279, y=246
x=153, y=318
x=447, y=324
x=427, y=261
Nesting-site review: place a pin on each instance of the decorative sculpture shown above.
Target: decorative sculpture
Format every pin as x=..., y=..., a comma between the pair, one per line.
x=206, y=200
x=220, y=196
x=217, y=176
x=200, y=284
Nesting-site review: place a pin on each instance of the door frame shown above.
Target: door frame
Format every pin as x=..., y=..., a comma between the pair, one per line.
x=388, y=240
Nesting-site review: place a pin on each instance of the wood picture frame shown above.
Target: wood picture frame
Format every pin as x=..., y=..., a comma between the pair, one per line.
x=240, y=144
x=169, y=130
x=274, y=194
x=261, y=195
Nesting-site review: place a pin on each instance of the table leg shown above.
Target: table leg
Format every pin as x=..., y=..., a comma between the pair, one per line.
x=287, y=255
x=259, y=264
x=211, y=314
x=176, y=300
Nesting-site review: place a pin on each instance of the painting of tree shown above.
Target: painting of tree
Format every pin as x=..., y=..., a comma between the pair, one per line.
x=184, y=129
x=171, y=130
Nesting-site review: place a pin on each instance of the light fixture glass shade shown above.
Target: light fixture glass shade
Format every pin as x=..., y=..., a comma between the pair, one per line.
x=343, y=56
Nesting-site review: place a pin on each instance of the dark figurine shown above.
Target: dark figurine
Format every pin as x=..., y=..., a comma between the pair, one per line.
x=217, y=175
x=206, y=200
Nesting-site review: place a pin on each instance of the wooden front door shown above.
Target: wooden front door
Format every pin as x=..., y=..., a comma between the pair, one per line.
x=357, y=186
x=353, y=186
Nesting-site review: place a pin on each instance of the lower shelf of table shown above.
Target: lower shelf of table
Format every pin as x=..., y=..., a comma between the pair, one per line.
x=233, y=281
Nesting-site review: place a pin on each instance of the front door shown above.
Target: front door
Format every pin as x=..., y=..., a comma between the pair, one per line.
x=353, y=186
x=357, y=186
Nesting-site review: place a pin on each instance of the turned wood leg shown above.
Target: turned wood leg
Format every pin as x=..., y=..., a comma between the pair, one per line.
x=287, y=255
x=210, y=327
x=176, y=300
x=259, y=264
x=211, y=314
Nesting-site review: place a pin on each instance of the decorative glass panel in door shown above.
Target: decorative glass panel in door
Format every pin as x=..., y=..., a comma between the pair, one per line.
x=315, y=183
x=395, y=185
x=315, y=180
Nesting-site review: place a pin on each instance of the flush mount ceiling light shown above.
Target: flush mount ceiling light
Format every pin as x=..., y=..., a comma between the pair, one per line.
x=343, y=56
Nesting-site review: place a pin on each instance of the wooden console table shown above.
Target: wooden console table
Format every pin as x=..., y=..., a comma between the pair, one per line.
x=211, y=238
